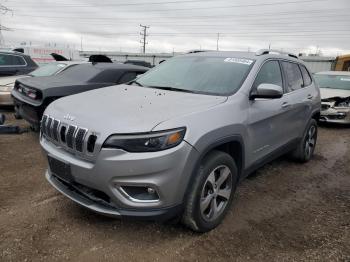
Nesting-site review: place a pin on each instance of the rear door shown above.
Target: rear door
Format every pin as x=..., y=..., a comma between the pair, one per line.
x=268, y=118
x=11, y=65
x=297, y=94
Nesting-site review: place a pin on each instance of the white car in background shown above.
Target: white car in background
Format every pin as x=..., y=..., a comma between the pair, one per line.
x=335, y=95
x=7, y=83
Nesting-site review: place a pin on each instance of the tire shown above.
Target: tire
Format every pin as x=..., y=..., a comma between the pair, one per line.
x=17, y=115
x=35, y=128
x=305, y=149
x=210, y=197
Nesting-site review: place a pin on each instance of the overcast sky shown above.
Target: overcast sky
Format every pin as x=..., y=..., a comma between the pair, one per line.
x=181, y=25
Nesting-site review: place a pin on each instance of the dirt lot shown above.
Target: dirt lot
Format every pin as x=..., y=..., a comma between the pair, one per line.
x=285, y=212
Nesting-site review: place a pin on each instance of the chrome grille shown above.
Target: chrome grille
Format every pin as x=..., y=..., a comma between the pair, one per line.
x=69, y=136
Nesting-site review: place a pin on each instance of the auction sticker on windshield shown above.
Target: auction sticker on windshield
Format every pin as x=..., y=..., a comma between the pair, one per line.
x=238, y=60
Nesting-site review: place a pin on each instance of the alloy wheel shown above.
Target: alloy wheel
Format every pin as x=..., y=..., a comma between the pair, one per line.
x=216, y=193
x=310, y=141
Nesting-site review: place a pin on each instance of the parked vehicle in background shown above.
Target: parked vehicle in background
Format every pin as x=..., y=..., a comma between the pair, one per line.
x=14, y=63
x=32, y=95
x=177, y=140
x=7, y=83
x=342, y=63
x=138, y=62
x=335, y=94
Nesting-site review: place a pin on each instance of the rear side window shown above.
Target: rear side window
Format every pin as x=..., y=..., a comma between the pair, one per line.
x=18, y=60
x=306, y=76
x=294, y=80
x=11, y=60
x=270, y=73
x=126, y=77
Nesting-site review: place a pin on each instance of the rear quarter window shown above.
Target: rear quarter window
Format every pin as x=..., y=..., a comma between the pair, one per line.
x=306, y=75
x=11, y=60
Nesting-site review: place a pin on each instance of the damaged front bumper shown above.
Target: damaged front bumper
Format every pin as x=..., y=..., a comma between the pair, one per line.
x=335, y=110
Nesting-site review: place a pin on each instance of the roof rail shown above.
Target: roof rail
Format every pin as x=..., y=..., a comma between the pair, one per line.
x=271, y=51
x=194, y=51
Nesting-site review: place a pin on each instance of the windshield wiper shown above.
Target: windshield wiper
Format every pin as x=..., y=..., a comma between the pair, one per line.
x=169, y=88
x=136, y=82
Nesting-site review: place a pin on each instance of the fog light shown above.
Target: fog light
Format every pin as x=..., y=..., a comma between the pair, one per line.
x=151, y=190
x=140, y=193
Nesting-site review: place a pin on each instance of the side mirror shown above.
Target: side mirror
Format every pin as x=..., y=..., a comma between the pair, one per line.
x=269, y=91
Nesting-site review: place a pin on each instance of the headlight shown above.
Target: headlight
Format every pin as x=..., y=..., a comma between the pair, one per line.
x=7, y=87
x=147, y=142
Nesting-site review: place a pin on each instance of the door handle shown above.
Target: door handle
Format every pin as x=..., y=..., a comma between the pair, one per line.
x=309, y=96
x=285, y=105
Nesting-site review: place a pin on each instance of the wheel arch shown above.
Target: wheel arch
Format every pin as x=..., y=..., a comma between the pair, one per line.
x=233, y=145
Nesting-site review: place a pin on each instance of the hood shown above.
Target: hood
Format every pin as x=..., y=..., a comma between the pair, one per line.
x=57, y=86
x=330, y=92
x=128, y=109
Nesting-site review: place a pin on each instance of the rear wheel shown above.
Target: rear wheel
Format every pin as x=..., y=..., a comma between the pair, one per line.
x=211, y=193
x=306, y=147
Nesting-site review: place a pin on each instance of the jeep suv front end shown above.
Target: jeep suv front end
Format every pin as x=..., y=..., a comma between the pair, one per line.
x=177, y=140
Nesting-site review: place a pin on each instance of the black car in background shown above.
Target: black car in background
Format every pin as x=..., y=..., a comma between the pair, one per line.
x=15, y=63
x=32, y=95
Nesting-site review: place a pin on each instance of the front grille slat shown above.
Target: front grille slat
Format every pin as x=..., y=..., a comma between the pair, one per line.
x=55, y=126
x=48, y=127
x=70, y=137
x=79, y=139
x=43, y=123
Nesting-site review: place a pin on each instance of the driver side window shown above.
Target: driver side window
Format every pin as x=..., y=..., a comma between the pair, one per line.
x=270, y=73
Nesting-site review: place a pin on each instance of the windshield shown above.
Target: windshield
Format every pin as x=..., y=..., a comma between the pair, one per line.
x=333, y=81
x=48, y=70
x=82, y=72
x=208, y=75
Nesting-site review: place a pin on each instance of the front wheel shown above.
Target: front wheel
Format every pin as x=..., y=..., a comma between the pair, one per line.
x=211, y=193
x=306, y=147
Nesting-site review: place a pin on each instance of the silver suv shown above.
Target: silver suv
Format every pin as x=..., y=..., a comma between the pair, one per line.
x=176, y=141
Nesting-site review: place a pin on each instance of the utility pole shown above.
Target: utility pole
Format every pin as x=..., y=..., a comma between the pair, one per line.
x=81, y=43
x=144, y=35
x=217, y=42
x=4, y=10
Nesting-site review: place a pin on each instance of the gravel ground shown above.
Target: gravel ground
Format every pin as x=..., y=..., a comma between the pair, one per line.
x=285, y=212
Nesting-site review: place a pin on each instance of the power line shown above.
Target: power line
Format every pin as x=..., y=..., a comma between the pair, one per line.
x=285, y=15
x=267, y=22
x=193, y=1
x=123, y=20
x=243, y=33
x=210, y=7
